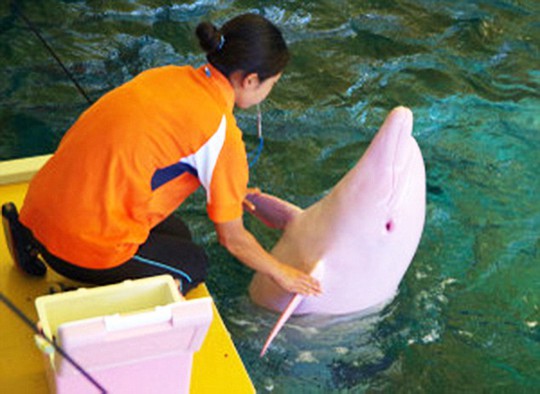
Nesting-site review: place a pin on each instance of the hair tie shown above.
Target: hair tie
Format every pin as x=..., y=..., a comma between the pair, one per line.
x=221, y=43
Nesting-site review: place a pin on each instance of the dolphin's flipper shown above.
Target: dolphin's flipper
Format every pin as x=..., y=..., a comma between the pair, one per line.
x=290, y=308
x=272, y=211
x=295, y=301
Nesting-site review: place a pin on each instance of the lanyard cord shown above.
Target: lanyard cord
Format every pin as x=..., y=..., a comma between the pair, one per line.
x=257, y=151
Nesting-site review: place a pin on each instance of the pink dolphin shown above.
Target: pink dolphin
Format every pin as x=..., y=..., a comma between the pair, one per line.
x=360, y=238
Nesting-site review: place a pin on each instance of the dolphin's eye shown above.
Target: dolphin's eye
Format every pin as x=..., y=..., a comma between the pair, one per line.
x=389, y=226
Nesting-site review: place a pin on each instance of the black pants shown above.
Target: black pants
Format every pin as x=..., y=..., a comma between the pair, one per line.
x=168, y=249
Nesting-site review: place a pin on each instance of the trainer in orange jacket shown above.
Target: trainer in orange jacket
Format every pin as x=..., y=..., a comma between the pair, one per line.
x=134, y=156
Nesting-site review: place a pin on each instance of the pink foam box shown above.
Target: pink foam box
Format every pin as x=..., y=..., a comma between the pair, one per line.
x=138, y=336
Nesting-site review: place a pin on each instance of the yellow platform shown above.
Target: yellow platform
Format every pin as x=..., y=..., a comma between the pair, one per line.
x=217, y=367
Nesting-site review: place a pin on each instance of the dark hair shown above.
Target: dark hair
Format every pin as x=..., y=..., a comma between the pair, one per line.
x=248, y=42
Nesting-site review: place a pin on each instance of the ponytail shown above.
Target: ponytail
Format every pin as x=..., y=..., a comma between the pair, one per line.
x=247, y=43
x=209, y=36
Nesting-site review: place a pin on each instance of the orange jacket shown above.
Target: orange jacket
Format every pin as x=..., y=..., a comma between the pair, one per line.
x=132, y=158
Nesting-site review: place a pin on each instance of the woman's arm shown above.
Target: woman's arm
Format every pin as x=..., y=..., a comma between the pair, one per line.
x=243, y=245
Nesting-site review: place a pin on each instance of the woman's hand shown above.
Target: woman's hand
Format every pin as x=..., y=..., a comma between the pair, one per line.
x=296, y=281
x=243, y=245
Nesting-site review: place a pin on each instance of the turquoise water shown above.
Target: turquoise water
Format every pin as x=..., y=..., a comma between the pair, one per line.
x=466, y=317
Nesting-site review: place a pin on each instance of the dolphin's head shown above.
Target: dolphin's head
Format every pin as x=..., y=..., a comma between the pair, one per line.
x=386, y=183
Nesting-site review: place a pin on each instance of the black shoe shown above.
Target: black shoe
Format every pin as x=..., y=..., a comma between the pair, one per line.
x=20, y=243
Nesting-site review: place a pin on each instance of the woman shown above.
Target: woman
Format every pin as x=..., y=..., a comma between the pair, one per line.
x=100, y=210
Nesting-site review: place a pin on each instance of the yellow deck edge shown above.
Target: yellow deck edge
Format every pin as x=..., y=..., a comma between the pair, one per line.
x=217, y=367
x=20, y=170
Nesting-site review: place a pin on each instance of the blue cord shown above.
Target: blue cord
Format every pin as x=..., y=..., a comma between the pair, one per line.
x=256, y=152
x=164, y=266
x=261, y=141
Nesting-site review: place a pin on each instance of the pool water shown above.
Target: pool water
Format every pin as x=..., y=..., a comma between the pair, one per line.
x=466, y=316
